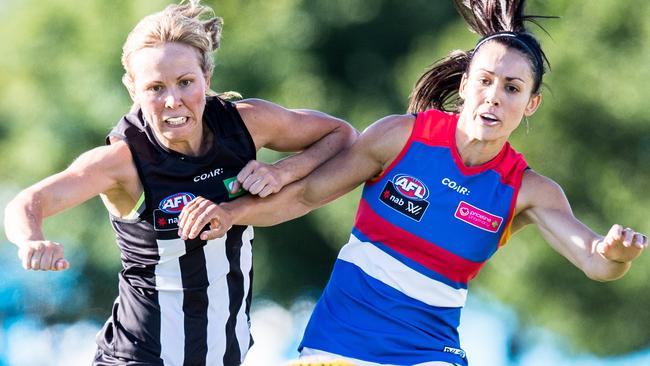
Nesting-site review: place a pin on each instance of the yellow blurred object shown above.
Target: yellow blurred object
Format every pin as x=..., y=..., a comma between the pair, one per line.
x=320, y=363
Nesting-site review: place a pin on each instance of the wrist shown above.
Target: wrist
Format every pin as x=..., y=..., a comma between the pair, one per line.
x=234, y=211
x=286, y=172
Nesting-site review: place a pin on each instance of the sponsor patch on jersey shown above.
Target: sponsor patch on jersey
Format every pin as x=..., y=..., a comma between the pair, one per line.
x=406, y=195
x=174, y=204
x=164, y=221
x=456, y=351
x=477, y=217
x=410, y=187
x=228, y=183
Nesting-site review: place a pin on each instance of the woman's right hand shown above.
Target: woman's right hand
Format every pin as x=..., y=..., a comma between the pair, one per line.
x=43, y=255
x=622, y=244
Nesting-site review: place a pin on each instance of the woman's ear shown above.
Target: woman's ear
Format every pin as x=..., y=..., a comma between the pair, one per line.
x=207, y=77
x=128, y=83
x=534, y=103
x=461, y=88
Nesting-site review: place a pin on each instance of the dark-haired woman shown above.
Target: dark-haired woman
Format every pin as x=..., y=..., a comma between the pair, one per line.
x=443, y=191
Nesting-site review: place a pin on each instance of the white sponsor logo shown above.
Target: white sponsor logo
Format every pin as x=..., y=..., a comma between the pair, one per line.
x=455, y=186
x=208, y=175
x=456, y=351
x=413, y=208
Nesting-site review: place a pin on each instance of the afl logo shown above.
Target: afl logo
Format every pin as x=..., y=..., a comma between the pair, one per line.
x=411, y=187
x=175, y=202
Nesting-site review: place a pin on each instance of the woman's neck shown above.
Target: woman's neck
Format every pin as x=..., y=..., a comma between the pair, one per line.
x=198, y=146
x=474, y=151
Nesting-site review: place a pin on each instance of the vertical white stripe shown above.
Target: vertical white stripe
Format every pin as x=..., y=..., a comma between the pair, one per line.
x=217, y=267
x=170, y=298
x=242, y=328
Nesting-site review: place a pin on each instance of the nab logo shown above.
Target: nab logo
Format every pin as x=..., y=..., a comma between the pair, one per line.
x=175, y=202
x=411, y=187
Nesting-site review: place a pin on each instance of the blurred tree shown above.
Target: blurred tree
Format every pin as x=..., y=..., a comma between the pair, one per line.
x=358, y=59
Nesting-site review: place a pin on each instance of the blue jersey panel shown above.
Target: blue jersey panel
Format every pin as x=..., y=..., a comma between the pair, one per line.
x=363, y=318
x=437, y=223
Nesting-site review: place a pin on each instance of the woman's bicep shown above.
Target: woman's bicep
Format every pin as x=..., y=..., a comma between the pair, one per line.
x=281, y=129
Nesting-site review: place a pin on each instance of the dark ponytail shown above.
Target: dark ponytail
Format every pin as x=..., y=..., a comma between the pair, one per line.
x=437, y=88
x=494, y=20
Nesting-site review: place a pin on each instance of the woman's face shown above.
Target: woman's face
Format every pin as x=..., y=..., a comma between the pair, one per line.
x=497, y=93
x=170, y=86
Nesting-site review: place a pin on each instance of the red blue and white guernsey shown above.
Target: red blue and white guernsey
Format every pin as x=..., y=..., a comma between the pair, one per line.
x=423, y=230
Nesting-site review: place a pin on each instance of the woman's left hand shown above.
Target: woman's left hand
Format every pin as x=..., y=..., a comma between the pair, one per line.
x=258, y=178
x=622, y=244
x=200, y=212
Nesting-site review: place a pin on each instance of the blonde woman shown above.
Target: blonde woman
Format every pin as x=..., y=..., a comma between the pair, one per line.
x=181, y=302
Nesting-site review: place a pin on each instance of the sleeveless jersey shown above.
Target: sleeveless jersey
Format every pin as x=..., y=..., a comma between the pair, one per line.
x=182, y=302
x=422, y=231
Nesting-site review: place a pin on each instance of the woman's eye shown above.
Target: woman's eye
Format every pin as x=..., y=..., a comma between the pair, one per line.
x=512, y=89
x=186, y=82
x=155, y=88
x=483, y=81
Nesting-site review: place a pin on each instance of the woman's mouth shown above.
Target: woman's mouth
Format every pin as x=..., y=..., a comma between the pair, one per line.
x=176, y=121
x=489, y=119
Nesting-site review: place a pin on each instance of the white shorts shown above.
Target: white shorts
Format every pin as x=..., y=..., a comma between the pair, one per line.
x=314, y=355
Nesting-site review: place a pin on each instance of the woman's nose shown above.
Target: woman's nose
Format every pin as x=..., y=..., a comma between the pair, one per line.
x=492, y=95
x=172, y=100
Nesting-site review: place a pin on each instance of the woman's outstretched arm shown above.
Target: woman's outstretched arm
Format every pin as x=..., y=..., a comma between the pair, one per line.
x=94, y=172
x=604, y=258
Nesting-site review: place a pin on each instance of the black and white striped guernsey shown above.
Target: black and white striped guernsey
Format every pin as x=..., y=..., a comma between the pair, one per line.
x=182, y=302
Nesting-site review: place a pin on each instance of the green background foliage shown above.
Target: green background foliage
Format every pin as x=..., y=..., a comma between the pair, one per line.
x=60, y=93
